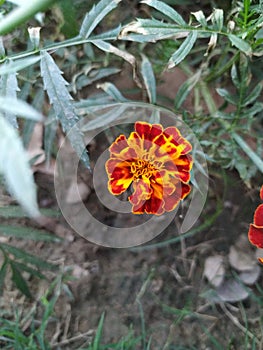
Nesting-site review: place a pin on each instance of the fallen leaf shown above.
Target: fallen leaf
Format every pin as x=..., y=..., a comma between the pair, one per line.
x=241, y=260
x=231, y=291
x=250, y=277
x=214, y=270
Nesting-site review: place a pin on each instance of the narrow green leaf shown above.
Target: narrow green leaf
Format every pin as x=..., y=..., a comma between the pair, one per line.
x=246, y=148
x=109, y=35
x=218, y=19
x=234, y=76
x=28, y=233
x=9, y=88
x=200, y=17
x=15, y=168
x=96, y=14
x=13, y=211
x=93, y=76
x=19, y=280
x=104, y=119
x=155, y=117
x=185, y=89
x=28, y=258
x=255, y=93
x=255, y=109
x=15, y=66
x=2, y=276
x=26, y=268
x=96, y=341
x=233, y=99
x=149, y=79
x=50, y=134
x=150, y=30
x=183, y=50
x=241, y=44
x=61, y=100
x=111, y=90
x=166, y=10
x=19, y=108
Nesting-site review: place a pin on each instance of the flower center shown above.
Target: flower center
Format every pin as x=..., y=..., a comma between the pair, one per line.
x=144, y=167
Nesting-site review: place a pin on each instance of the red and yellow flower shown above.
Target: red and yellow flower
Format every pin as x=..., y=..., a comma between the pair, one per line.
x=156, y=163
x=255, y=233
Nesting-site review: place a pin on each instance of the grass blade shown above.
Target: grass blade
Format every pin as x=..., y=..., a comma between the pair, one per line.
x=19, y=280
x=28, y=233
x=149, y=79
x=15, y=66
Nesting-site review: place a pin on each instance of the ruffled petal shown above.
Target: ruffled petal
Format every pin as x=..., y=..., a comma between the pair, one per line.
x=120, y=176
x=261, y=193
x=148, y=131
x=255, y=235
x=120, y=149
x=258, y=216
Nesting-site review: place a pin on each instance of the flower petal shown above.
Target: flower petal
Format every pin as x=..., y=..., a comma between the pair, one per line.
x=258, y=216
x=121, y=149
x=174, y=136
x=120, y=176
x=261, y=193
x=148, y=131
x=180, y=192
x=255, y=235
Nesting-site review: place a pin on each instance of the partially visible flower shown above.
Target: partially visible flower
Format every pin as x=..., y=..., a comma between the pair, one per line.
x=255, y=233
x=156, y=162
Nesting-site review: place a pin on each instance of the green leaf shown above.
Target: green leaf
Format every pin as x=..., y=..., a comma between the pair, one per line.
x=111, y=90
x=234, y=76
x=19, y=280
x=96, y=341
x=218, y=19
x=150, y=30
x=104, y=119
x=15, y=168
x=149, y=79
x=166, y=10
x=183, y=50
x=50, y=134
x=61, y=100
x=185, y=89
x=200, y=17
x=28, y=233
x=97, y=13
x=19, y=108
x=109, y=35
x=26, y=268
x=2, y=276
x=28, y=258
x=9, y=88
x=241, y=44
x=15, y=66
x=255, y=93
x=13, y=211
x=233, y=99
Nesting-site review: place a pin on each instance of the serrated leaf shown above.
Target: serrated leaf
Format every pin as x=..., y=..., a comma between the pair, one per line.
x=19, y=108
x=200, y=17
x=183, y=50
x=15, y=66
x=28, y=233
x=28, y=258
x=166, y=10
x=96, y=14
x=104, y=119
x=61, y=100
x=241, y=44
x=253, y=95
x=15, y=168
x=109, y=35
x=111, y=90
x=218, y=19
x=9, y=88
x=19, y=280
x=227, y=96
x=149, y=79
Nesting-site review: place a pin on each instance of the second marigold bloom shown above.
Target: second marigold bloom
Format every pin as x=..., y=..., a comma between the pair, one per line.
x=156, y=162
x=255, y=233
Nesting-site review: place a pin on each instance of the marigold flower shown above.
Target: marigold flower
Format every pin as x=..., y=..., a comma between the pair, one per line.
x=255, y=233
x=156, y=163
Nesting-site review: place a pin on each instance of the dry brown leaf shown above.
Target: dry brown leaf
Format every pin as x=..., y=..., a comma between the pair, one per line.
x=35, y=145
x=250, y=277
x=214, y=270
x=241, y=260
x=77, y=192
x=231, y=291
